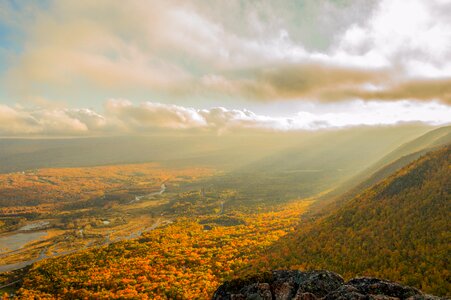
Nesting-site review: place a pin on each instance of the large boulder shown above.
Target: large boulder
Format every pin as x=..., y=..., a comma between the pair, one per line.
x=375, y=286
x=315, y=285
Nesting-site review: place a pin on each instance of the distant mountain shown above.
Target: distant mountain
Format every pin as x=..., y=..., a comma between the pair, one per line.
x=434, y=138
x=397, y=229
x=407, y=153
x=388, y=164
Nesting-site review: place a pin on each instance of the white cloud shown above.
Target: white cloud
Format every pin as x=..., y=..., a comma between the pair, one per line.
x=21, y=121
x=414, y=36
x=123, y=117
x=150, y=115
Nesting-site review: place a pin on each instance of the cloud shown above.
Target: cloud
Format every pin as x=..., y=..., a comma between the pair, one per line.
x=415, y=38
x=424, y=89
x=149, y=115
x=294, y=81
x=403, y=50
x=21, y=121
x=123, y=117
x=191, y=49
x=12, y=121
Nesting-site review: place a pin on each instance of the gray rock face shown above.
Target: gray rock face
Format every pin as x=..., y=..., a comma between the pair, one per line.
x=374, y=286
x=320, y=283
x=315, y=285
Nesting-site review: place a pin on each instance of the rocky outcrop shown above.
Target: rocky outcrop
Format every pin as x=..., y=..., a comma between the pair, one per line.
x=314, y=285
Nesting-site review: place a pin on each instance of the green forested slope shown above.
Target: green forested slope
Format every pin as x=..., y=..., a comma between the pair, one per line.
x=398, y=229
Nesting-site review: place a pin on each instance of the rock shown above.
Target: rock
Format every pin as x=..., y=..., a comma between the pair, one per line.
x=285, y=284
x=284, y=290
x=305, y=296
x=315, y=285
x=375, y=286
x=320, y=283
x=257, y=291
x=232, y=289
x=345, y=292
x=424, y=297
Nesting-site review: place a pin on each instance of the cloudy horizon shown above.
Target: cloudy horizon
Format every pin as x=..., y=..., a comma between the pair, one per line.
x=84, y=68
x=123, y=117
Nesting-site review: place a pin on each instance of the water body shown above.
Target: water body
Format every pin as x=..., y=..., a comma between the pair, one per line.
x=43, y=255
x=34, y=226
x=16, y=241
x=139, y=198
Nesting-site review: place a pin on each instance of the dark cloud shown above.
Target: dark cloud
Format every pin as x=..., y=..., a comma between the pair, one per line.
x=297, y=81
x=424, y=89
x=327, y=84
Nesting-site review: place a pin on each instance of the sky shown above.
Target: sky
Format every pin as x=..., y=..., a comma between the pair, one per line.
x=141, y=66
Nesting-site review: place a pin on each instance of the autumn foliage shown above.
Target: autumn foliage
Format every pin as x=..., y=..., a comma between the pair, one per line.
x=54, y=189
x=183, y=260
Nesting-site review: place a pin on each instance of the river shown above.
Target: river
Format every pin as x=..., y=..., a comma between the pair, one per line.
x=160, y=192
x=13, y=242
x=43, y=255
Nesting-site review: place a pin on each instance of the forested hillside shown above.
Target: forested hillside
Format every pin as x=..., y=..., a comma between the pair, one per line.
x=186, y=259
x=398, y=229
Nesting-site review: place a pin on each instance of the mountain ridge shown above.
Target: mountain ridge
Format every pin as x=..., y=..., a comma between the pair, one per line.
x=384, y=167
x=397, y=229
